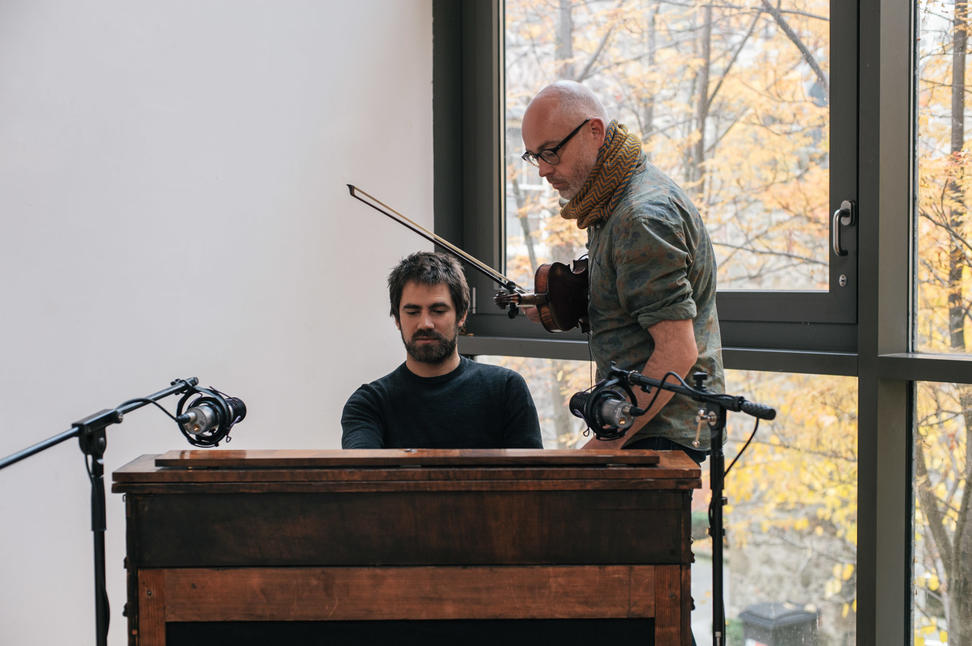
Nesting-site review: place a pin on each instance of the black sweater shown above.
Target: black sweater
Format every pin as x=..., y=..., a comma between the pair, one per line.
x=474, y=406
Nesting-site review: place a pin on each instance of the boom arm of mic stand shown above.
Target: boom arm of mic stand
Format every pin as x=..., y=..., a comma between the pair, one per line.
x=100, y=419
x=727, y=402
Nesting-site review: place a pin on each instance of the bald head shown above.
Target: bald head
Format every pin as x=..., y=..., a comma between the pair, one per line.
x=553, y=114
x=571, y=99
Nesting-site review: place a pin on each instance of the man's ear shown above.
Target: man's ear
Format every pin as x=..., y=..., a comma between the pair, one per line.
x=398, y=323
x=598, y=129
x=462, y=321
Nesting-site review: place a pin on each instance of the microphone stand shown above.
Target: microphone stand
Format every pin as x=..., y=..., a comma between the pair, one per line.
x=716, y=419
x=90, y=432
x=715, y=416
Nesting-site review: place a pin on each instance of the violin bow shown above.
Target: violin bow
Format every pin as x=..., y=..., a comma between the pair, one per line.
x=376, y=204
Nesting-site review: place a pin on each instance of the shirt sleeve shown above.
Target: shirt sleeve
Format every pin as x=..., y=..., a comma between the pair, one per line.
x=522, y=428
x=652, y=257
x=361, y=422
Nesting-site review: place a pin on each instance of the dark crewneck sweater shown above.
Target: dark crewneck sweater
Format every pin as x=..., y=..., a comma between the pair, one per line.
x=475, y=406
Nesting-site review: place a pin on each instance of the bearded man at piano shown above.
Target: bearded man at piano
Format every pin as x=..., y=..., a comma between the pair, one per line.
x=438, y=399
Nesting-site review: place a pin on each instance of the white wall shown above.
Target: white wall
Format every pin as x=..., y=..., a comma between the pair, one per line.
x=173, y=204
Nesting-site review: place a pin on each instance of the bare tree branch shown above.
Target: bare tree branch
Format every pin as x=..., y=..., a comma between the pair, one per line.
x=600, y=47
x=953, y=235
x=768, y=252
x=795, y=39
x=732, y=60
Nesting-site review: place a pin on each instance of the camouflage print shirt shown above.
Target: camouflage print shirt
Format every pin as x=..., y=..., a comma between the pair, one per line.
x=651, y=260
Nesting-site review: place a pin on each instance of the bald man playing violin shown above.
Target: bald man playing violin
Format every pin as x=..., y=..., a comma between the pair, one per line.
x=652, y=272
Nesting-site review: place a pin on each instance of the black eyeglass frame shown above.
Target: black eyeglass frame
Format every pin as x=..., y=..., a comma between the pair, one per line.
x=550, y=155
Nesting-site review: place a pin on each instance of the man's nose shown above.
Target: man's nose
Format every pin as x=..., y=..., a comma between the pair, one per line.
x=545, y=168
x=425, y=322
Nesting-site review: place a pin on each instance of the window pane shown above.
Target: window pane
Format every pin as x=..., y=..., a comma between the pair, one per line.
x=791, y=522
x=941, y=602
x=731, y=100
x=942, y=219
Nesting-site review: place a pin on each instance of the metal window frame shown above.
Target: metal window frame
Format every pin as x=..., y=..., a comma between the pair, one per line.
x=877, y=349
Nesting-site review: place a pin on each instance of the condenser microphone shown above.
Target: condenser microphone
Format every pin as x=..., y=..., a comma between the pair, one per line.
x=602, y=409
x=616, y=413
x=208, y=415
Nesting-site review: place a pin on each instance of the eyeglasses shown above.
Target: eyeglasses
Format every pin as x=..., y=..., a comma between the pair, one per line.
x=550, y=155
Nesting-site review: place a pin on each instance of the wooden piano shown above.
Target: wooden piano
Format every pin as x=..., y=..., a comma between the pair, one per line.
x=408, y=546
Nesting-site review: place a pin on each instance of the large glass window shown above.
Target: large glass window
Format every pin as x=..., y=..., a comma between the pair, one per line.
x=897, y=86
x=942, y=600
x=944, y=282
x=731, y=100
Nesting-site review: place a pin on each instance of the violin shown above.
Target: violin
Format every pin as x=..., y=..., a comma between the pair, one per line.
x=560, y=293
x=560, y=296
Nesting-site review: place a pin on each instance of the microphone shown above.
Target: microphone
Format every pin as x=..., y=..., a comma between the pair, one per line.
x=602, y=409
x=210, y=417
x=206, y=416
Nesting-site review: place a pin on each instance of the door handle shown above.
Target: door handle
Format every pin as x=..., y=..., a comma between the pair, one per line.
x=843, y=217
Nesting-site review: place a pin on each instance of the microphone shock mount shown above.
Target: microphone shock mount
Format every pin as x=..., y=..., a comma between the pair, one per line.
x=228, y=411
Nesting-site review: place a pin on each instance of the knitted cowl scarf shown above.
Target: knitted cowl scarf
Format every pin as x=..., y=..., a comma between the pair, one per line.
x=616, y=162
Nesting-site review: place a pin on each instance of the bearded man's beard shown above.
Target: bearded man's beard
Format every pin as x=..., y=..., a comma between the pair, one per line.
x=430, y=352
